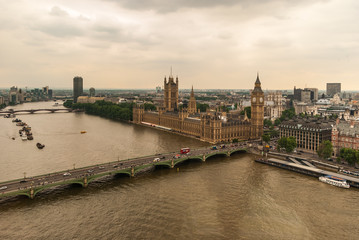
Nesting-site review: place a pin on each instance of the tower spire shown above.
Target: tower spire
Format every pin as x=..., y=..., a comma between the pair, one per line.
x=257, y=80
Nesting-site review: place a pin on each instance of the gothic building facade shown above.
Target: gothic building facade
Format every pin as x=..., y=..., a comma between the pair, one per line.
x=213, y=127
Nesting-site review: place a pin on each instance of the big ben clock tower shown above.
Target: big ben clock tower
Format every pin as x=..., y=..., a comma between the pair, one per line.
x=257, y=110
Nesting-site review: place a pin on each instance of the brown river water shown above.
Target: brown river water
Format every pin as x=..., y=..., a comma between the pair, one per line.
x=222, y=198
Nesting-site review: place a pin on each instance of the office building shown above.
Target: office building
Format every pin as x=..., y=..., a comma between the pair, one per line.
x=309, y=133
x=333, y=88
x=78, y=88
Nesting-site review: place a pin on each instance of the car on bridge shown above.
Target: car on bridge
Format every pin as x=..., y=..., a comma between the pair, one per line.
x=90, y=170
x=156, y=160
x=67, y=174
x=3, y=187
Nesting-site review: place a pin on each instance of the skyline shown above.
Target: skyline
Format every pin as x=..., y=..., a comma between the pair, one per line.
x=127, y=45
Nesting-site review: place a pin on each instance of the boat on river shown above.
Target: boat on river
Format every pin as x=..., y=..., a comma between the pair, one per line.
x=23, y=136
x=40, y=146
x=335, y=181
x=82, y=132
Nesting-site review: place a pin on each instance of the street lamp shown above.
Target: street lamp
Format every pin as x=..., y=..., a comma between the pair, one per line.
x=24, y=175
x=74, y=166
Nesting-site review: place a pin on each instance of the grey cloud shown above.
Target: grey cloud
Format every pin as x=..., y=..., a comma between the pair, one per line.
x=165, y=6
x=58, y=12
x=60, y=30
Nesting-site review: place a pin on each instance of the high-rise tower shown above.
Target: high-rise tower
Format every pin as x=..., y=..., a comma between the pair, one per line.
x=78, y=88
x=171, y=94
x=257, y=110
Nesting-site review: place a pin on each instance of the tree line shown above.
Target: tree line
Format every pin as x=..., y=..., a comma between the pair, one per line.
x=122, y=111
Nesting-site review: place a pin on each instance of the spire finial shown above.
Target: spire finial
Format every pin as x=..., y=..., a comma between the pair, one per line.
x=257, y=80
x=171, y=71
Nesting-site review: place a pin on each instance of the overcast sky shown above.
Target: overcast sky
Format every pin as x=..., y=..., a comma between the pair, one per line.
x=208, y=43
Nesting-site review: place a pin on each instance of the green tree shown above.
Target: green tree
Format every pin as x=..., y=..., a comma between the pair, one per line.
x=150, y=106
x=68, y=104
x=122, y=111
x=325, y=149
x=349, y=155
x=268, y=123
x=277, y=122
x=248, y=110
x=288, y=113
x=235, y=140
x=266, y=138
x=289, y=144
x=202, y=107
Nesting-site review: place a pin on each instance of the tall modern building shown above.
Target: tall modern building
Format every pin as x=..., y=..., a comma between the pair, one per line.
x=306, y=95
x=333, y=88
x=78, y=88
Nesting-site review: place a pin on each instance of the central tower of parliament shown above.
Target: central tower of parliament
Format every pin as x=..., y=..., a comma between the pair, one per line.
x=211, y=126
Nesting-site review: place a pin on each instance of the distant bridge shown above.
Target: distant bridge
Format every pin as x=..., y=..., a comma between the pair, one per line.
x=83, y=176
x=49, y=110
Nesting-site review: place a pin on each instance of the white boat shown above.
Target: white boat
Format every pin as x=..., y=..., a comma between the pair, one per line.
x=335, y=181
x=23, y=136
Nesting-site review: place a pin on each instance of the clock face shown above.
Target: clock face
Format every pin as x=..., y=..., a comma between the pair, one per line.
x=254, y=99
x=261, y=99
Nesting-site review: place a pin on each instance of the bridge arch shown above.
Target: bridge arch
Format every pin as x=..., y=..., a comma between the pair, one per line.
x=182, y=160
x=166, y=164
x=211, y=155
x=237, y=151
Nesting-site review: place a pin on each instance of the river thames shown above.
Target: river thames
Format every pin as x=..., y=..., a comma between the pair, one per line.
x=223, y=198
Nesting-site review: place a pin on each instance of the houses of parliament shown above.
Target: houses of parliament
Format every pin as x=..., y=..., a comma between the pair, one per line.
x=210, y=126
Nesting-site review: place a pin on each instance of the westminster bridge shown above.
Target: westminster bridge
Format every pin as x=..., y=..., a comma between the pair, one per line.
x=30, y=186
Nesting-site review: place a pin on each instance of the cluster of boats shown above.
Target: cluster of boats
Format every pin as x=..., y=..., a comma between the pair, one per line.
x=25, y=132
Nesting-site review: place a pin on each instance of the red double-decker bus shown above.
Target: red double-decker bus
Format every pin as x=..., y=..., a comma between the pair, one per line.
x=185, y=150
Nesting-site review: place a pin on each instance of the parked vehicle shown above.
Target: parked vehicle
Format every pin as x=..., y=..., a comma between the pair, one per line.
x=156, y=160
x=214, y=148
